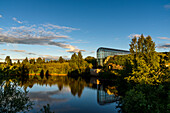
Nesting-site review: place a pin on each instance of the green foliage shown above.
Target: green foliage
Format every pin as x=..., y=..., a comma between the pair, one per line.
x=144, y=62
x=118, y=60
x=78, y=63
x=32, y=61
x=61, y=60
x=39, y=60
x=18, y=62
x=25, y=61
x=146, y=98
x=13, y=99
x=52, y=67
x=8, y=60
x=91, y=60
x=74, y=62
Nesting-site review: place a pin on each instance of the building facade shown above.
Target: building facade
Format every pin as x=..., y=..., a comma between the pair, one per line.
x=103, y=53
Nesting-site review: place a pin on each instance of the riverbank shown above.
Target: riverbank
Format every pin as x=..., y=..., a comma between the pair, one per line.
x=54, y=74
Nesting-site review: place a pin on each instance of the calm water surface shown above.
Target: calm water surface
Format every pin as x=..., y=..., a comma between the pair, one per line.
x=65, y=95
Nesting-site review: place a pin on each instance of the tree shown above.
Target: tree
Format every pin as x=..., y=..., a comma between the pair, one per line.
x=82, y=65
x=145, y=98
x=61, y=60
x=74, y=62
x=43, y=60
x=144, y=61
x=42, y=74
x=78, y=63
x=25, y=61
x=80, y=59
x=8, y=60
x=18, y=62
x=32, y=61
x=39, y=60
x=13, y=99
x=91, y=60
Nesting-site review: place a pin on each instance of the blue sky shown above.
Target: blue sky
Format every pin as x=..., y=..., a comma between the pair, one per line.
x=52, y=28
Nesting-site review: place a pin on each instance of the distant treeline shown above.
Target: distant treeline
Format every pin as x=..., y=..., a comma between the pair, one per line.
x=37, y=66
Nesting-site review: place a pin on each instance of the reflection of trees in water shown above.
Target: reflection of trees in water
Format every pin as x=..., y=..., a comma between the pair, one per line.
x=46, y=109
x=13, y=99
x=76, y=85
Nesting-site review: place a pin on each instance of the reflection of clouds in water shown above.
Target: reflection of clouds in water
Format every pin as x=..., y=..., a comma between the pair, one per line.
x=53, y=98
x=48, y=95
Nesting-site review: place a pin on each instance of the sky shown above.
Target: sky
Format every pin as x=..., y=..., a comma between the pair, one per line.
x=53, y=28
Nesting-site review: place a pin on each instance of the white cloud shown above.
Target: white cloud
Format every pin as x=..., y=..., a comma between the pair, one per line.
x=16, y=59
x=22, y=51
x=0, y=16
x=134, y=35
x=52, y=26
x=92, y=52
x=165, y=38
x=75, y=50
x=15, y=19
x=50, y=57
x=167, y=6
x=165, y=46
x=37, y=35
x=78, y=41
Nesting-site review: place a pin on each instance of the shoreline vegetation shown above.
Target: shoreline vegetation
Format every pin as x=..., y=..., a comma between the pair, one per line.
x=141, y=78
x=61, y=67
x=53, y=74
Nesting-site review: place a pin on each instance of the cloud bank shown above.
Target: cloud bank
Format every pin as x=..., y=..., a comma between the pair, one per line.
x=67, y=29
x=46, y=34
x=19, y=51
x=165, y=46
x=47, y=57
x=165, y=38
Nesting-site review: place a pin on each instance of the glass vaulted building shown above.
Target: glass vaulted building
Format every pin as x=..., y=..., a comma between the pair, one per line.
x=103, y=53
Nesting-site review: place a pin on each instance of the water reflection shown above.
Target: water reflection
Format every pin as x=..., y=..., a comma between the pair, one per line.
x=66, y=94
x=76, y=86
x=106, y=96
